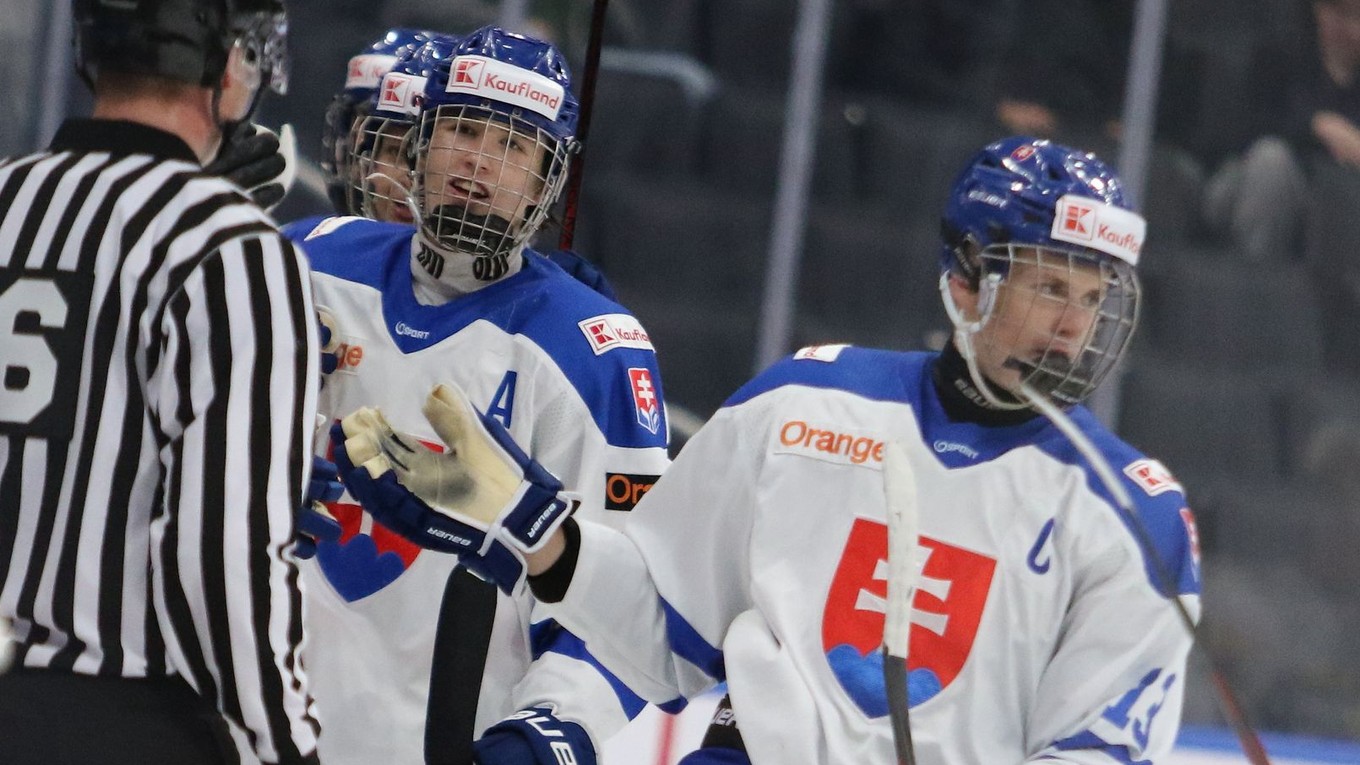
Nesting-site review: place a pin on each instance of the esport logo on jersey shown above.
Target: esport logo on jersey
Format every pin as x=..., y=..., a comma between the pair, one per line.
x=950, y=597
x=644, y=398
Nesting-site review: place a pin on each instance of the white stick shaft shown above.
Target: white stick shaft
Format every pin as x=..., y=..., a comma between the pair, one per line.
x=899, y=489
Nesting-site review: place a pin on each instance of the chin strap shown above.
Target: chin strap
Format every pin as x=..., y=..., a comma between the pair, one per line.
x=965, y=330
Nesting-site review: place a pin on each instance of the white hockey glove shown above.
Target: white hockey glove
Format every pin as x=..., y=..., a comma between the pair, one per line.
x=484, y=499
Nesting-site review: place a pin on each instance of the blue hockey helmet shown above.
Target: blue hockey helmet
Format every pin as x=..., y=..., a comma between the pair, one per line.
x=362, y=76
x=513, y=75
x=381, y=149
x=497, y=127
x=1039, y=249
x=1012, y=192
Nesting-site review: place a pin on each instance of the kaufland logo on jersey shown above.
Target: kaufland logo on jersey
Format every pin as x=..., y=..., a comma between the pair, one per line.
x=1100, y=226
x=1152, y=477
x=401, y=93
x=614, y=330
x=489, y=78
x=367, y=70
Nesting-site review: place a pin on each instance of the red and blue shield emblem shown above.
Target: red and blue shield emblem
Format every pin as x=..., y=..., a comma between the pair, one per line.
x=368, y=556
x=644, y=398
x=949, y=600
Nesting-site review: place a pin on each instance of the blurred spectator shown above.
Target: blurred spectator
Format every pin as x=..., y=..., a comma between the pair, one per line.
x=1310, y=128
x=1062, y=74
x=1063, y=71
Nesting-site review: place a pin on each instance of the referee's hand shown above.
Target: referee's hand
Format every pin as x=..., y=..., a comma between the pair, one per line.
x=258, y=160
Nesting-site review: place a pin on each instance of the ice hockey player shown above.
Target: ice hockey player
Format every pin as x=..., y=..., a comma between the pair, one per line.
x=1041, y=630
x=412, y=658
x=351, y=105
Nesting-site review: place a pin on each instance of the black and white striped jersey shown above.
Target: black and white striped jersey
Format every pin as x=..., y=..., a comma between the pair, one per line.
x=157, y=346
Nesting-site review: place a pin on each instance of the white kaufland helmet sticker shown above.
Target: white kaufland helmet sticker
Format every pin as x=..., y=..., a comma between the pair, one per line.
x=1100, y=226
x=400, y=93
x=498, y=81
x=366, y=70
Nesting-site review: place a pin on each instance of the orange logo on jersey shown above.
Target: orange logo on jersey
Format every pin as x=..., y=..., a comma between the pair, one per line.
x=622, y=491
x=798, y=437
x=349, y=356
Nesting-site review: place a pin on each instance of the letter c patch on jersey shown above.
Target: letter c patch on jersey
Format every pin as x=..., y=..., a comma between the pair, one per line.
x=946, y=611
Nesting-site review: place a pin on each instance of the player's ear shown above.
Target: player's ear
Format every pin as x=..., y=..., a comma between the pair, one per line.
x=964, y=293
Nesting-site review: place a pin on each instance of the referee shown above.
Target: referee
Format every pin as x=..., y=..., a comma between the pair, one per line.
x=157, y=350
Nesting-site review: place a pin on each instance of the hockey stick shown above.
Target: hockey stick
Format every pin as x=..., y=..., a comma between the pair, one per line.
x=588, y=77
x=1246, y=736
x=899, y=490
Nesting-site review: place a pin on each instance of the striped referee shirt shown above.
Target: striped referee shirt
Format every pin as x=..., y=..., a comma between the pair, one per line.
x=157, y=346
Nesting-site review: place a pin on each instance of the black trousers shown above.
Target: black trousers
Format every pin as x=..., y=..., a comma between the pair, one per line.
x=54, y=718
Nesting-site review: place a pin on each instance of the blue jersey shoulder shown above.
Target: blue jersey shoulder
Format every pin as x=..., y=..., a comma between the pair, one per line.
x=905, y=377
x=351, y=248
x=1164, y=521
x=597, y=343
x=868, y=372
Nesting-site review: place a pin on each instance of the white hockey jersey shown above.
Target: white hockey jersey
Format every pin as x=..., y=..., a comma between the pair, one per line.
x=1038, y=632
x=573, y=377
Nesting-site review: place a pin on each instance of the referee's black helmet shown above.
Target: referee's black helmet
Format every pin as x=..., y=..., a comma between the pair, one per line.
x=182, y=40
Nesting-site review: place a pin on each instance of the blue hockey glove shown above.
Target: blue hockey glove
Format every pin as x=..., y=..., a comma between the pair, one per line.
x=314, y=523
x=534, y=737
x=483, y=499
x=583, y=271
x=330, y=342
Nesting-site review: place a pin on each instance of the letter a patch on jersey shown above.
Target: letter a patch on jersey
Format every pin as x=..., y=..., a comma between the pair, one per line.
x=950, y=597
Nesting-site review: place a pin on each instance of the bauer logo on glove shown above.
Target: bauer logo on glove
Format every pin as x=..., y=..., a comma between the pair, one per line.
x=484, y=500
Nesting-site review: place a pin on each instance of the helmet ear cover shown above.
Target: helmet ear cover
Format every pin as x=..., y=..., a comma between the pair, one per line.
x=965, y=251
